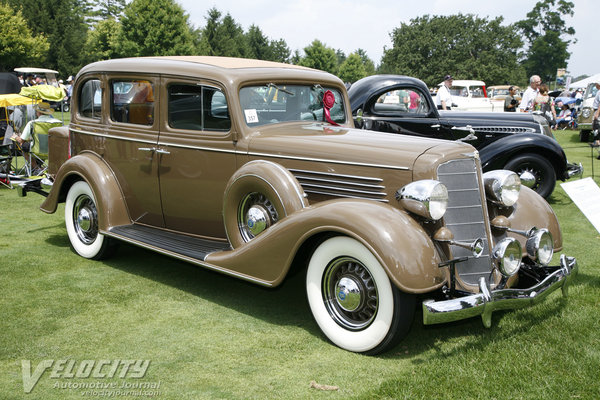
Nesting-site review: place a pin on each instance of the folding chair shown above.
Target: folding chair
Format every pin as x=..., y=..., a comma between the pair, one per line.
x=5, y=166
x=38, y=153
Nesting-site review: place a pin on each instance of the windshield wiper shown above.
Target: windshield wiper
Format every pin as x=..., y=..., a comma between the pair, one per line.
x=272, y=85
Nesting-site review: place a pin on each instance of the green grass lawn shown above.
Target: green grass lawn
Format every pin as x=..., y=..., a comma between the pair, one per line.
x=209, y=336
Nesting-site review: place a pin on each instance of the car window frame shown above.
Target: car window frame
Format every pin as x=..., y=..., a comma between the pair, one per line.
x=370, y=105
x=78, y=98
x=154, y=79
x=203, y=85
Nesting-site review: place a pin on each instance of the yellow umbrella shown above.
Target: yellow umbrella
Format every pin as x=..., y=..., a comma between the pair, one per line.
x=14, y=99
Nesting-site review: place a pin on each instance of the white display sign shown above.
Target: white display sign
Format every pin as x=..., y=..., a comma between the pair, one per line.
x=251, y=116
x=585, y=193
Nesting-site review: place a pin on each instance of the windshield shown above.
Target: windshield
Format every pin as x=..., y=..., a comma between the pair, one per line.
x=462, y=91
x=271, y=104
x=590, y=91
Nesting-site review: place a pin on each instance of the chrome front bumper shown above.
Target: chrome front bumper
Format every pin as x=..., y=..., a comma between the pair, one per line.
x=486, y=301
x=574, y=171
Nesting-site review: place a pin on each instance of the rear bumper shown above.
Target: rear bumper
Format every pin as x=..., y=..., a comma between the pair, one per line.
x=487, y=301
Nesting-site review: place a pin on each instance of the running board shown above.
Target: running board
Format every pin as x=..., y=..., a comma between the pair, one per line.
x=166, y=242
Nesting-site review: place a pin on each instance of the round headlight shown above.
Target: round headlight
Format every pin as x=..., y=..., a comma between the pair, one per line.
x=586, y=112
x=427, y=198
x=507, y=255
x=540, y=246
x=502, y=186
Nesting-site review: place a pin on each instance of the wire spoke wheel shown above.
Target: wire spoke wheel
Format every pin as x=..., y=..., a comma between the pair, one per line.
x=349, y=293
x=256, y=213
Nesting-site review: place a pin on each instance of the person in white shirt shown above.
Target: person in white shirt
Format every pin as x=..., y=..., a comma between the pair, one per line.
x=530, y=94
x=443, y=99
x=44, y=114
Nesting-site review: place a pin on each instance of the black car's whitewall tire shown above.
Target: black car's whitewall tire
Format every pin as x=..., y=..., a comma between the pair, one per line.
x=81, y=220
x=375, y=318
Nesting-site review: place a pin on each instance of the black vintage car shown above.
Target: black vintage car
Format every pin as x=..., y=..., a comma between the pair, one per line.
x=520, y=142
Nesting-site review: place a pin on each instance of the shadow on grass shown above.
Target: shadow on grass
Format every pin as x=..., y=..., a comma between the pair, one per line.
x=469, y=334
x=287, y=305
x=284, y=305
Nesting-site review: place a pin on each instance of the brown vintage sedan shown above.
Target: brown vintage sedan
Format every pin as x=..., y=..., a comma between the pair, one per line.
x=247, y=167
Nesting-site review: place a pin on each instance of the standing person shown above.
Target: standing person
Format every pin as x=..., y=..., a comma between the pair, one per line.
x=70, y=86
x=595, y=121
x=545, y=104
x=510, y=103
x=530, y=94
x=443, y=100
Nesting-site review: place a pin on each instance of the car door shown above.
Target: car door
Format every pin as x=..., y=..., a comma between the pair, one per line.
x=130, y=143
x=406, y=110
x=197, y=156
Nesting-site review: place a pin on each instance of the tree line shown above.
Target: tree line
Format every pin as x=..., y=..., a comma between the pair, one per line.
x=67, y=34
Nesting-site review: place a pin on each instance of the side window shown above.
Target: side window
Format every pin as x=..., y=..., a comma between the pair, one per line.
x=90, y=99
x=478, y=92
x=132, y=101
x=403, y=101
x=200, y=108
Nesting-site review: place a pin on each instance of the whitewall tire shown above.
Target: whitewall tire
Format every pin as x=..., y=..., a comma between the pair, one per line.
x=352, y=299
x=81, y=220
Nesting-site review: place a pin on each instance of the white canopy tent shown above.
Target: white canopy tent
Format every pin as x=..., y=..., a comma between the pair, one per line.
x=584, y=82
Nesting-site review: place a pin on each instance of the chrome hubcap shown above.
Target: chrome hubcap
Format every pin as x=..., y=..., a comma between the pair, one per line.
x=256, y=213
x=527, y=179
x=85, y=219
x=349, y=293
x=257, y=219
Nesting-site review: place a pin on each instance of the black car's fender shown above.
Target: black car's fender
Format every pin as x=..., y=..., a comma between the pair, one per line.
x=498, y=153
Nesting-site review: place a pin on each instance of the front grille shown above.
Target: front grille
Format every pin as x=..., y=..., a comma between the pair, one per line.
x=465, y=217
x=338, y=185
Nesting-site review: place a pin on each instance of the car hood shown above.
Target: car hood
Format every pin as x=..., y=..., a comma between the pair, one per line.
x=498, y=122
x=342, y=145
x=487, y=117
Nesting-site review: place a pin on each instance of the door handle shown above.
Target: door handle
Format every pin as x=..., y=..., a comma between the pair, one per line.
x=154, y=149
x=435, y=126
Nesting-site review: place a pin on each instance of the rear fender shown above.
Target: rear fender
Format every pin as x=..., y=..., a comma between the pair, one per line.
x=89, y=167
x=400, y=244
x=58, y=148
x=498, y=153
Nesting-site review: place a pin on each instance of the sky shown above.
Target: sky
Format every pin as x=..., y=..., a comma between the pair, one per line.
x=351, y=24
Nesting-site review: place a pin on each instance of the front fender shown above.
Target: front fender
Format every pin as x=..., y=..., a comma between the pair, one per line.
x=89, y=167
x=401, y=245
x=498, y=153
x=531, y=210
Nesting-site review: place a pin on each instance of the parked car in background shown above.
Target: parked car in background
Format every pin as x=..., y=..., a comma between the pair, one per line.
x=586, y=113
x=520, y=142
x=471, y=95
x=500, y=92
x=252, y=168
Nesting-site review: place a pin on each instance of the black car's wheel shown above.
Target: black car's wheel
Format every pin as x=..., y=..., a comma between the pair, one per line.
x=81, y=220
x=352, y=299
x=535, y=171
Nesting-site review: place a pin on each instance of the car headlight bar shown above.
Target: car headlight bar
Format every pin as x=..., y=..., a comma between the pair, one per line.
x=427, y=198
x=502, y=187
